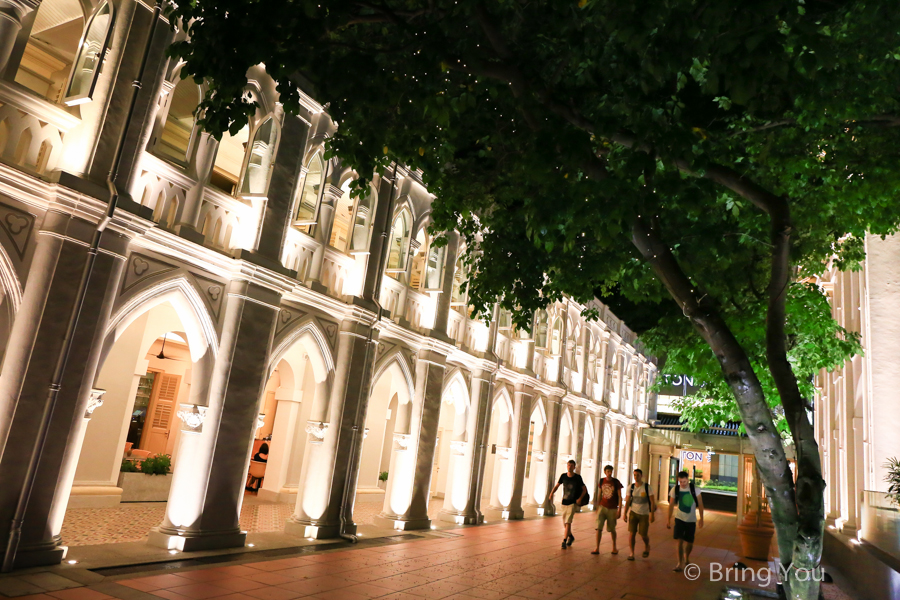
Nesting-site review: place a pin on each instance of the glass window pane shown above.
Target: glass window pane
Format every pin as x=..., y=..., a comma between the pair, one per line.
x=340, y=229
x=90, y=54
x=399, y=243
x=309, y=192
x=434, y=268
x=360, y=239
x=262, y=158
x=229, y=160
x=459, y=277
x=176, y=133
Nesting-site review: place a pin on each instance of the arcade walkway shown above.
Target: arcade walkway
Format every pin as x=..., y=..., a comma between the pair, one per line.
x=515, y=560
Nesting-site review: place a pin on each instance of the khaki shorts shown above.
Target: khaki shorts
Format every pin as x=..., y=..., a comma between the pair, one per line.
x=567, y=511
x=609, y=516
x=638, y=523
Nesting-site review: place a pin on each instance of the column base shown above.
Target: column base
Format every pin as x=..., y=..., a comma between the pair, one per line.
x=495, y=513
x=309, y=529
x=285, y=496
x=460, y=518
x=192, y=541
x=401, y=524
x=40, y=558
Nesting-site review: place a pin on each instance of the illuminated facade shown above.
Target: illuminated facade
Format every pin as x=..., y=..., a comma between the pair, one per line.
x=239, y=294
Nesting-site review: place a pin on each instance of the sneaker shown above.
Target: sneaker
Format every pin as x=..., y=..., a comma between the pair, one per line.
x=570, y=539
x=564, y=545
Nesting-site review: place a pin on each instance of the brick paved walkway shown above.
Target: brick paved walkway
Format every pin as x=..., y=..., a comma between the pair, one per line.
x=517, y=560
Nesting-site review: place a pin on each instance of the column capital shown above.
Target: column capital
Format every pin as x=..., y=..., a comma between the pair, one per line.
x=317, y=429
x=94, y=402
x=192, y=417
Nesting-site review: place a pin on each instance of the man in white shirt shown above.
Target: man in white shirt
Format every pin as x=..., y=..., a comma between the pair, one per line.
x=685, y=502
x=640, y=508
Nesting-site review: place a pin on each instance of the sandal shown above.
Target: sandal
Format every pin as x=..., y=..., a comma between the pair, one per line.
x=595, y=552
x=614, y=552
x=630, y=558
x=646, y=553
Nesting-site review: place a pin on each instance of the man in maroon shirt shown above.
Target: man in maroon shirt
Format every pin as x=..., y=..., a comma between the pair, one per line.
x=609, y=506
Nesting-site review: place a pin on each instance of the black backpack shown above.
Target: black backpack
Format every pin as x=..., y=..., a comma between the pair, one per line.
x=693, y=493
x=647, y=489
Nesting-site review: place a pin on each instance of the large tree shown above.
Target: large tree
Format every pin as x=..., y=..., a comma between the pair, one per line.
x=703, y=157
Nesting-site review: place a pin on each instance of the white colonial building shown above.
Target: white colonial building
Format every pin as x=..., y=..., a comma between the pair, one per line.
x=239, y=293
x=857, y=423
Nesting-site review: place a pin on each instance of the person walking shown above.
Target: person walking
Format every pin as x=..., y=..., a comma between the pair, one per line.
x=575, y=493
x=609, y=506
x=685, y=501
x=640, y=508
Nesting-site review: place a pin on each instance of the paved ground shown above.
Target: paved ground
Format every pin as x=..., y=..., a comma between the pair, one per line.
x=130, y=522
x=516, y=560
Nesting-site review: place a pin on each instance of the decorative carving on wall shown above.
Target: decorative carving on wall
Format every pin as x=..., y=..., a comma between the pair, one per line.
x=212, y=294
x=214, y=291
x=142, y=267
x=401, y=441
x=192, y=416
x=260, y=421
x=318, y=430
x=95, y=402
x=504, y=452
x=365, y=433
x=18, y=226
x=538, y=455
x=458, y=447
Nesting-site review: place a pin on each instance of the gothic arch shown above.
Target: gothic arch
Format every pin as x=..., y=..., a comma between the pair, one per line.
x=9, y=281
x=396, y=356
x=310, y=334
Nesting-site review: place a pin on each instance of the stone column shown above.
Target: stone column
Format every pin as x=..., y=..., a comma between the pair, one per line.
x=479, y=427
x=286, y=438
x=35, y=347
x=629, y=453
x=381, y=230
x=580, y=417
x=204, y=505
x=11, y=14
x=286, y=173
x=442, y=311
x=522, y=408
x=331, y=428
x=414, y=467
x=551, y=449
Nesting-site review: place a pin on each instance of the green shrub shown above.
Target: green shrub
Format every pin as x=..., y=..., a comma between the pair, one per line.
x=893, y=479
x=383, y=476
x=128, y=466
x=156, y=465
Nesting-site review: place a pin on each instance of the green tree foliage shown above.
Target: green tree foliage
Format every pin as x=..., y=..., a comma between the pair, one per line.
x=705, y=158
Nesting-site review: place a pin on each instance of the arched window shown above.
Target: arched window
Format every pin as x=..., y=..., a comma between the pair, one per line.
x=505, y=321
x=90, y=54
x=261, y=159
x=343, y=215
x=434, y=267
x=179, y=126
x=556, y=337
x=229, y=160
x=540, y=329
x=399, y=243
x=48, y=56
x=308, y=202
x=362, y=223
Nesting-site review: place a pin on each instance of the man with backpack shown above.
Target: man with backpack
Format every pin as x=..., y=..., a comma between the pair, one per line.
x=640, y=506
x=609, y=507
x=575, y=494
x=685, y=502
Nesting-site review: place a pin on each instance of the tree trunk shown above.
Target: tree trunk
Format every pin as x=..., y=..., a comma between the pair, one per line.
x=738, y=372
x=804, y=577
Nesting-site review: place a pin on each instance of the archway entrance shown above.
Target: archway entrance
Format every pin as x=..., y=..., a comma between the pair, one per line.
x=450, y=472
x=156, y=359
x=385, y=468
x=535, y=491
x=499, y=469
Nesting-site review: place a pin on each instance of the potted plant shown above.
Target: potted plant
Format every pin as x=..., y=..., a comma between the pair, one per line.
x=147, y=480
x=382, y=479
x=893, y=479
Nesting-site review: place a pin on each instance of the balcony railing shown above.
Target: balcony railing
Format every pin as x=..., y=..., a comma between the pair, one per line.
x=881, y=522
x=32, y=130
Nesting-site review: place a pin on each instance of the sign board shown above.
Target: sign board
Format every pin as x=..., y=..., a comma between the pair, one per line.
x=678, y=385
x=694, y=456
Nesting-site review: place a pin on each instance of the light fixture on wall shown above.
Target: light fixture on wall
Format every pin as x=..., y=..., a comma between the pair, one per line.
x=161, y=355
